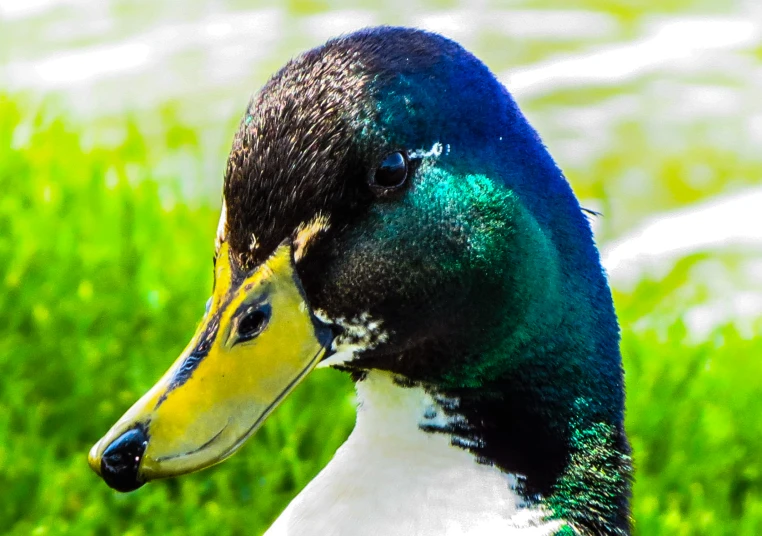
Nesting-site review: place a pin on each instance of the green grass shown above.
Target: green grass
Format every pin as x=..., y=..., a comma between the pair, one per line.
x=104, y=275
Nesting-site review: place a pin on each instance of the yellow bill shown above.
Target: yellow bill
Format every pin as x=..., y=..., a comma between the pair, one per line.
x=258, y=340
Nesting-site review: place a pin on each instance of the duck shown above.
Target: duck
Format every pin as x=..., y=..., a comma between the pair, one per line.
x=388, y=211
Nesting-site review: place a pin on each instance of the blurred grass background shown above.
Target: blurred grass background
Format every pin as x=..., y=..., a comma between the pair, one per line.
x=109, y=195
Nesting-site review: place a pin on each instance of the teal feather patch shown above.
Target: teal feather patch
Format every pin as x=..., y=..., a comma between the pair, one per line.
x=595, y=458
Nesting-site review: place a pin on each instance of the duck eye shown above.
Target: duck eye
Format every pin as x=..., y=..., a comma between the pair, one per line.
x=392, y=172
x=253, y=322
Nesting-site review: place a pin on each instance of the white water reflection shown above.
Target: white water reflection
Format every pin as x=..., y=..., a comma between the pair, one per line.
x=220, y=36
x=80, y=67
x=20, y=9
x=733, y=221
x=681, y=44
x=730, y=224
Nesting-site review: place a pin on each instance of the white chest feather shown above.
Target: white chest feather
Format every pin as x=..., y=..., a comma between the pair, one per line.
x=392, y=478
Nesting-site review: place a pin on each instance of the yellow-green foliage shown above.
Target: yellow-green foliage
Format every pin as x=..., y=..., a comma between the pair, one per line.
x=692, y=418
x=102, y=280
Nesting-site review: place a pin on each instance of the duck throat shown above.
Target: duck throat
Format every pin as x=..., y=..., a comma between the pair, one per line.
x=568, y=445
x=396, y=475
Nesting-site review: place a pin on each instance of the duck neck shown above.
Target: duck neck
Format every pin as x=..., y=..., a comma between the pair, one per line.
x=394, y=475
x=553, y=422
x=398, y=427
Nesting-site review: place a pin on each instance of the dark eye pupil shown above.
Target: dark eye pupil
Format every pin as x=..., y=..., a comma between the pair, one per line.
x=253, y=323
x=392, y=172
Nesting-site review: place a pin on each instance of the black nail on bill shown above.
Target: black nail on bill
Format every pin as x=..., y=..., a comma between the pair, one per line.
x=121, y=460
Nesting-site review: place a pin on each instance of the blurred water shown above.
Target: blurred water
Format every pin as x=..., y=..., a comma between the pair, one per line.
x=671, y=80
x=106, y=58
x=112, y=57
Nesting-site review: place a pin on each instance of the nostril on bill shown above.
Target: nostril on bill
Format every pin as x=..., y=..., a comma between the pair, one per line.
x=121, y=460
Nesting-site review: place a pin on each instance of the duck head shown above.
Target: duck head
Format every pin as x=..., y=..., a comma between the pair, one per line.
x=387, y=207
